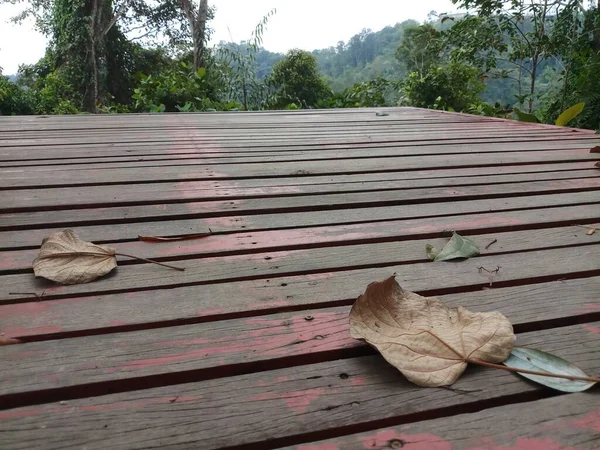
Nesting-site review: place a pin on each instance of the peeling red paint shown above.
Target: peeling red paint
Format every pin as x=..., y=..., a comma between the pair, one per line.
x=329, y=446
x=594, y=329
x=21, y=331
x=526, y=444
x=383, y=438
x=589, y=422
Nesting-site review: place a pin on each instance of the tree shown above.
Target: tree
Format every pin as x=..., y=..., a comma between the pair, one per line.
x=421, y=48
x=87, y=36
x=296, y=80
x=520, y=32
x=197, y=19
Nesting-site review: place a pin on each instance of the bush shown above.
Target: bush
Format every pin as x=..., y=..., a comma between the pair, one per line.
x=453, y=87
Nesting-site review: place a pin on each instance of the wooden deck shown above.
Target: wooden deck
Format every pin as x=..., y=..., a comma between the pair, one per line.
x=249, y=347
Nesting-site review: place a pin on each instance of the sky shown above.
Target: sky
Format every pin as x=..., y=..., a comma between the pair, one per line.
x=304, y=24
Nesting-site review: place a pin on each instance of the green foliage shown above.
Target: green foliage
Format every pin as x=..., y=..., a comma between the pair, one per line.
x=179, y=88
x=13, y=99
x=421, y=48
x=455, y=87
x=296, y=79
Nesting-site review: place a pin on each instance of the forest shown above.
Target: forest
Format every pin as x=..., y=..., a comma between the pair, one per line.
x=531, y=60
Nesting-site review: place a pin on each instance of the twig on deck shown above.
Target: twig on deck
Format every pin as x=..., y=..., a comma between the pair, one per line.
x=491, y=243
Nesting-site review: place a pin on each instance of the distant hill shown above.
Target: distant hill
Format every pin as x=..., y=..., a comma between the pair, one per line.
x=365, y=56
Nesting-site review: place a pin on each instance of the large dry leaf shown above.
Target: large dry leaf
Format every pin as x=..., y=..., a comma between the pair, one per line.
x=66, y=259
x=429, y=342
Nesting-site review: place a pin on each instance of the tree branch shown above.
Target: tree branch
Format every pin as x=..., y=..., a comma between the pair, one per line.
x=114, y=19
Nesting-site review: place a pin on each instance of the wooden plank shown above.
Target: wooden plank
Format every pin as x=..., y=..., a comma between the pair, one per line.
x=367, y=254
x=319, y=278
x=311, y=136
x=93, y=150
x=130, y=311
x=531, y=425
x=278, y=407
x=17, y=178
x=122, y=232
x=237, y=207
x=96, y=153
x=30, y=199
x=205, y=347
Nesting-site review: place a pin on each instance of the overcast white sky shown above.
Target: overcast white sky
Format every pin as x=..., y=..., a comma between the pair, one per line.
x=305, y=24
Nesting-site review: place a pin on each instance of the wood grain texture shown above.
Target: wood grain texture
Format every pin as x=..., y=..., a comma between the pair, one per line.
x=51, y=199
x=527, y=426
x=269, y=408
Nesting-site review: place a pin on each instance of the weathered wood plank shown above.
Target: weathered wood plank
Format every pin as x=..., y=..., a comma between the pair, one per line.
x=205, y=347
x=19, y=178
x=282, y=282
x=237, y=207
x=120, y=231
x=367, y=254
x=308, y=136
x=83, y=315
x=117, y=195
x=96, y=153
x=531, y=425
x=270, y=409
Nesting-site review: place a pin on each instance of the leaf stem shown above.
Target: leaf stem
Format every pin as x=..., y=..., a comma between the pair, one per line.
x=532, y=372
x=181, y=269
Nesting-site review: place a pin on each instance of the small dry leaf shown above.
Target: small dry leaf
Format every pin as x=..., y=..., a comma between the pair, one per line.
x=173, y=239
x=429, y=342
x=591, y=231
x=66, y=259
x=595, y=149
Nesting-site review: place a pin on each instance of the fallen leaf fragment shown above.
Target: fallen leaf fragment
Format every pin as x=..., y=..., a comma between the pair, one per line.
x=595, y=149
x=174, y=239
x=9, y=341
x=429, y=342
x=66, y=259
x=537, y=360
x=591, y=231
x=458, y=247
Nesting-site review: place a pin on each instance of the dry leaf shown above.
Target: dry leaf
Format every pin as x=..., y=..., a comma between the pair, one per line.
x=595, y=149
x=429, y=342
x=591, y=231
x=66, y=259
x=173, y=239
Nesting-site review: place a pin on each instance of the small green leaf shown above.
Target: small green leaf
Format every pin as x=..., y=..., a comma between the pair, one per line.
x=525, y=117
x=569, y=114
x=458, y=247
x=539, y=361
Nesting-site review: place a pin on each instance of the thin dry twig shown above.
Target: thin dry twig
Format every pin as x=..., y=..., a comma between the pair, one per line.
x=174, y=239
x=491, y=243
x=181, y=269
